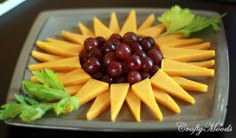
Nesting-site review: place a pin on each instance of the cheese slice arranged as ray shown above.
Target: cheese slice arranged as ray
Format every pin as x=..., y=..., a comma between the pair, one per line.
x=118, y=93
x=182, y=54
x=74, y=37
x=162, y=81
x=130, y=24
x=114, y=24
x=101, y=103
x=58, y=50
x=84, y=30
x=162, y=40
x=190, y=85
x=147, y=22
x=88, y=92
x=143, y=90
x=166, y=100
x=72, y=90
x=201, y=46
x=207, y=64
x=134, y=104
x=62, y=42
x=179, y=42
x=77, y=76
x=176, y=68
x=154, y=31
x=100, y=29
x=44, y=57
x=61, y=65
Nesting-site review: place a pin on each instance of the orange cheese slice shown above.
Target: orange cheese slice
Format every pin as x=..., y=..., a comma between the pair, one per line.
x=84, y=30
x=88, y=92
x=143, y=90
x=176, y=68
x=61, y=65
x=134, y=104
x=77, y=76
x=147, y=22
x=162, y=40
x=101, y=103
x=190, y=85
x=130, y=24
x=182, y=54
x=114, y=24
x=162, y=81
x=57, y=50
x=201, y=46
x=154, y=31
x=76, y=38
x=43, y=57
x=207, y=64
x=118, y=94
x=166, y=100
x=100, y=29
x=62, y=42
x=72, y=90
x=179, y=42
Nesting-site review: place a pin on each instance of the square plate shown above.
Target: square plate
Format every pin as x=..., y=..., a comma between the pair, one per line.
x=209, y=107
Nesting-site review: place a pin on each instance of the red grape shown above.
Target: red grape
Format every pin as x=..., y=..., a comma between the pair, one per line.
x=155, y=55
x=145, y=75
x=133, y=77
x=107, y=78
x=101, y=40
x=114, y=69
x=108, y=47
x=147, y=64
x=130, y=38
x=92, y=65
x=90, y=43
x=154, y=69
x=109, y=57
x=136, y=47
x=134, y=62
x=123, y=51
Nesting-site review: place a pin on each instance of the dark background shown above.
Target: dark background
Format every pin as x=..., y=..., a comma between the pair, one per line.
x=14, y=28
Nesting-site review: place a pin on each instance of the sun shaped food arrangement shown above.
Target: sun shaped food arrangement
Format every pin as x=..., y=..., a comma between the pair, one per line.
x=117, y=64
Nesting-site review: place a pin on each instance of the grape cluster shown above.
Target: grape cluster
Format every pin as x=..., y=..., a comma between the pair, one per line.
x=130, y=58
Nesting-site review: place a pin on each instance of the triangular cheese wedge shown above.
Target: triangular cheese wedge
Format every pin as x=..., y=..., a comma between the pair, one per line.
x=190, y=85
x=101, y=104
x=147, y=22
x=62, y=42
x=166, y=100
x=143, y=90
x=118, y=94
x=181, y=54
x=114, y=24
x=43, y=57
x=176, y=68
x=134, y=104
x=88, y=92
x=162, y=81
x=58, y=50
x=130, y=24
x=179, y=42
x=61, y=65
x=207, y=64
x=100, y=29
x=168, y=38
x=154, y=31
x=77, y=76
x=201, y=46
x=84, y=30
x=77, y=38
x=72, y=90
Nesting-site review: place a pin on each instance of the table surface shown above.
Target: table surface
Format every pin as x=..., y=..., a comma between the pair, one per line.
x=14, y=28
